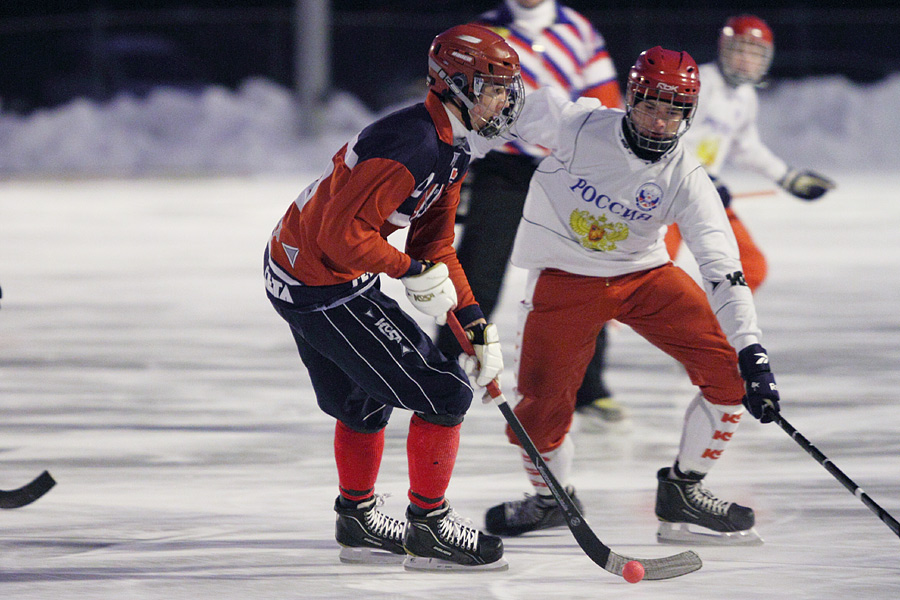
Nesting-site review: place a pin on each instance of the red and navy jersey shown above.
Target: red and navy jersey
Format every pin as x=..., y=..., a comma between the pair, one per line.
x=403, y=170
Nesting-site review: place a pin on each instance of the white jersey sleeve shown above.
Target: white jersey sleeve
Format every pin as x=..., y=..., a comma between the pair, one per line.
x=707, y=233
x=546, y=120
x=549, y=118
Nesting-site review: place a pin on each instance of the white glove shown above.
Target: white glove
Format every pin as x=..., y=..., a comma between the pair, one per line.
x=487, y=364
x=805, y=184
x=432, y=291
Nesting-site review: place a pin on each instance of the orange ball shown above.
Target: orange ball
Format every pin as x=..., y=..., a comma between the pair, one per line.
x=633, y=571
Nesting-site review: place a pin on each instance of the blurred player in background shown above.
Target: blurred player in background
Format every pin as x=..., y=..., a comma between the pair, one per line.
x=364, y=354
x=557, y=47
x=592, y=237
x=725, y=131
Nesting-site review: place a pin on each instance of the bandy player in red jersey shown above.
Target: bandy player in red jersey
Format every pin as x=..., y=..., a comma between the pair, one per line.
x=591, y=236
x=364, y=354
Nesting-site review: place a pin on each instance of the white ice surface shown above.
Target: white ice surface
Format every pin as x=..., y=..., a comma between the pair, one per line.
x=142, y=365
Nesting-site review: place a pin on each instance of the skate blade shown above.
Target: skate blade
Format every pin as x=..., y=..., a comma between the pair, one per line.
x=369, y=556
x=420, y=563
x=686, y=533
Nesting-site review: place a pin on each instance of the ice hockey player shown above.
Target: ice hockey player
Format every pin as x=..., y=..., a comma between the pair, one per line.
x=725, y=132
x=558, y=47
x=364, y=354
x=592, y=238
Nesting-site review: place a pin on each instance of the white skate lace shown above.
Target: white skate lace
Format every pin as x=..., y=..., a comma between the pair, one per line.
x=382, y=525
x=458, y=531
x=704, y=500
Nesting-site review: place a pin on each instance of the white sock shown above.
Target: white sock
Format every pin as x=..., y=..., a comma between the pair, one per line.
x=707, y=429
x=559, y=462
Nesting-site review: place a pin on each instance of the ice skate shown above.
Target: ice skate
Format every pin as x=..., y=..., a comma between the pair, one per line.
x=532, y=513
x=690, y=514
x=442, y=540
x=367, y=535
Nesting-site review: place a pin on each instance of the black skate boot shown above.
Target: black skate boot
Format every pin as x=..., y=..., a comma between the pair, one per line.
x=689, y=513
x=443, y=540
x=367, y=535
x=530, y=514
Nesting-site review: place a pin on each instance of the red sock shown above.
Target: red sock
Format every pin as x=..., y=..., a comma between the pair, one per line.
x=358, y=457
x=431, y=452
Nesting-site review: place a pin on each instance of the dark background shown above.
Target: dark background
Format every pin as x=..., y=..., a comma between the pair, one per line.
x=54, y=52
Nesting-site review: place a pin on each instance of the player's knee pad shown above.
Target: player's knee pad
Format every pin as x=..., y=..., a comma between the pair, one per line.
x=368, y=420
x=442, y=420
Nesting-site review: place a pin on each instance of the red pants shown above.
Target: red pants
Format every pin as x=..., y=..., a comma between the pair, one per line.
x=664, y=305
x=752, y=260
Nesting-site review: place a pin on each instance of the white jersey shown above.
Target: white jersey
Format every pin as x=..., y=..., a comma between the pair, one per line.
x=724, y=128
x=594, y=208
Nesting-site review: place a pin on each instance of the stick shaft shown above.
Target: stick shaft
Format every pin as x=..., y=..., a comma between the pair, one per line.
x=654, y=568
x=848, y=483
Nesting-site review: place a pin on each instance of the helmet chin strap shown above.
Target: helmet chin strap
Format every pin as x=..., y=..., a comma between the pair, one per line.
x=451, y=84
x=459, y=99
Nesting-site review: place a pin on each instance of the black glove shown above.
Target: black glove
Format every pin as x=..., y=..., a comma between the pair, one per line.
x=762, y=393
x=724, y=192
x=805, y=184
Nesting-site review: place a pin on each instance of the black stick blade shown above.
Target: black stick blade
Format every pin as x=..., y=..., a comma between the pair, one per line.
x=27, y=493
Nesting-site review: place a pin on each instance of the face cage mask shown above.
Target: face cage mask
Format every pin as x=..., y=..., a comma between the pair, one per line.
x=503, y=120
x=637, y=95
x=738, y=49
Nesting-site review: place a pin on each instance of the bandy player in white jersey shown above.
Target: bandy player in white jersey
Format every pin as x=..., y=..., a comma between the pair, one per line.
x=725, y=132
x=592, y=237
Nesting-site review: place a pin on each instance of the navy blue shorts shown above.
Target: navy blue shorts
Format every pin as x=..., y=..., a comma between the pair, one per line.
x=366, y=356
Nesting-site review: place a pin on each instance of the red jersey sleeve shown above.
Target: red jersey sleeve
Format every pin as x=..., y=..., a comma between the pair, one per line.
x=349, y=234
x=430, y=237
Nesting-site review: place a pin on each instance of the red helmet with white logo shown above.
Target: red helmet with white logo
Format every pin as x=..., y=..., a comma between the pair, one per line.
x=746, y=48
x=661, y=97
x=468, y=62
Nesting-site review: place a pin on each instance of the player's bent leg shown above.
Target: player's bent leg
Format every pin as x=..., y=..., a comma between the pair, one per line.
x=553, y=358
x=678, y=320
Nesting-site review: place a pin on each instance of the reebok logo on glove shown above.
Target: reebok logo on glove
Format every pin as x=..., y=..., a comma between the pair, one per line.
x=761, y=397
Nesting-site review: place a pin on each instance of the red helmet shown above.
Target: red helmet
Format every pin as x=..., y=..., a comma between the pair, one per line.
x=746, y=48
x=467, y=61
x=663, y=87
